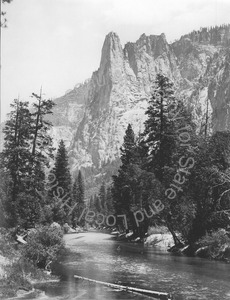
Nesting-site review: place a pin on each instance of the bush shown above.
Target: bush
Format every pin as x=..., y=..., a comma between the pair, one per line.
x=46, y=216
x=66, y=228
x=44, y=245
x=6, y=243
x=217, y=244
x=14, y=279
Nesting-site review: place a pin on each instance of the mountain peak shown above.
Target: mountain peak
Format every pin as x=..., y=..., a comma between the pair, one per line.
x=94, y=116
x=112, y=41
x=111, y=49
x=154, y=45
x=112, y=35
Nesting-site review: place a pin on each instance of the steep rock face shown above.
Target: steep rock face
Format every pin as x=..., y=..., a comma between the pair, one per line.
x=92, y=118
x=219, y=90
x=114, y=100
x=149, y=56
x=118, y=94
x=68, y=113
x=203, y=61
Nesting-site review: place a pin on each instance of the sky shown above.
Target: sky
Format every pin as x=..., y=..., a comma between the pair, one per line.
x=57, y=43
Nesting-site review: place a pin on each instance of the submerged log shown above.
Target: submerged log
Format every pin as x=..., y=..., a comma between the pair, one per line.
x=153, y=294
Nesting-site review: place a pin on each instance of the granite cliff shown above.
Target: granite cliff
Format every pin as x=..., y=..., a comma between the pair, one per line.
x=92, y=117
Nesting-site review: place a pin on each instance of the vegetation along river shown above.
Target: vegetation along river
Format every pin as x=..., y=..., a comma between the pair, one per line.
x=98, y=256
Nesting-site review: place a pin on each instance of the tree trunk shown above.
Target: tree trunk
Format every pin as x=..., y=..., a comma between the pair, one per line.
x=175, y=238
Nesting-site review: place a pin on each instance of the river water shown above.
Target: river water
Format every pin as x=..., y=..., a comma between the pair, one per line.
x=97, y=256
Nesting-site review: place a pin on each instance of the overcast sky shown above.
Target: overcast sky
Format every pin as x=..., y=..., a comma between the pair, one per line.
x=57, y=43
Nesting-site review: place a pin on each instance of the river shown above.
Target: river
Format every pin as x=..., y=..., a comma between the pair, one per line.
x=97, y=256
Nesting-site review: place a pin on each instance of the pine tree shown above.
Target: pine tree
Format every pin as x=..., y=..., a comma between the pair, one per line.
x=80, y=188
x=125, y=188
x=16, y=156
x=159, y=133
x=5, y=195
x=97, y=203
x=78, y=193
x=41, y=149
x=121, y=195
x=75, y=203
x=61, y=168
x=208, y=185
x=26, y=147
x=62, y=192
x=91, y=203
x=75, y=192
x=127, y=149
x=102, y=197
x=169, y=124
x=41, y=140
x=109, y=201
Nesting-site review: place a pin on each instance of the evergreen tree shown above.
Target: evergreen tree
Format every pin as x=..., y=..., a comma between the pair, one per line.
x=91, y=203
x=41, y=141
x=61, y=169
x=97, y=203
x=127, y=149
x=168, y=126
x=207, y=187
x=102, y=197
x=5, y=195
x=109, y=201
x=62, y=192
x=78, y=192
x=159, y=133
x=22, y=157
x=75, y=192
x=75, y=202
x=127, y=188
x=80, y=188
x=41, y=152
x=16, y=156
x=121, y=190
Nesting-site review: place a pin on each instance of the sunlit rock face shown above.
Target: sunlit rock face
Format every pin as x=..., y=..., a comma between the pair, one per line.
x=92, y=118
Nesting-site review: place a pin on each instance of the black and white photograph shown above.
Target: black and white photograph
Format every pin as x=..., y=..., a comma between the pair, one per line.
x=115, y=150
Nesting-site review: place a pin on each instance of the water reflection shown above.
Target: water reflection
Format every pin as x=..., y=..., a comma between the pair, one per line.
x=96, y=256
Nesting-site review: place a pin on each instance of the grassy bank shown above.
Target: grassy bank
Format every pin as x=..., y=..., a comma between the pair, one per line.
x=13, y=276
x=21, y=266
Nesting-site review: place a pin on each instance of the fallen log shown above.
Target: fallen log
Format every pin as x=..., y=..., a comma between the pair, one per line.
x=153, y=294
x=20, y=239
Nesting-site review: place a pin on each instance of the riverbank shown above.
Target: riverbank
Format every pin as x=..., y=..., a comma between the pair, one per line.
x=18, y=275
x=97, y=256
x=158, y=237
x=213, y=246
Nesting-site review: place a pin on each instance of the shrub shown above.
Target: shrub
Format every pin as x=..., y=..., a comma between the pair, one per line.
x=6, y=243
x=46, y=216
x=66, y=228
x=15, y=278
x=217, y=243
x=44, y=245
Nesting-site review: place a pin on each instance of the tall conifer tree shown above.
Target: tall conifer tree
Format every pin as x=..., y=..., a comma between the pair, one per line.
x=16, y=156
x=62, y=192
x=78, y=193
x=159, y=133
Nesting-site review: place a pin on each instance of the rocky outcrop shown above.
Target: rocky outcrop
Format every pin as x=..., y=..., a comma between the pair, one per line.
x=92, y=117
